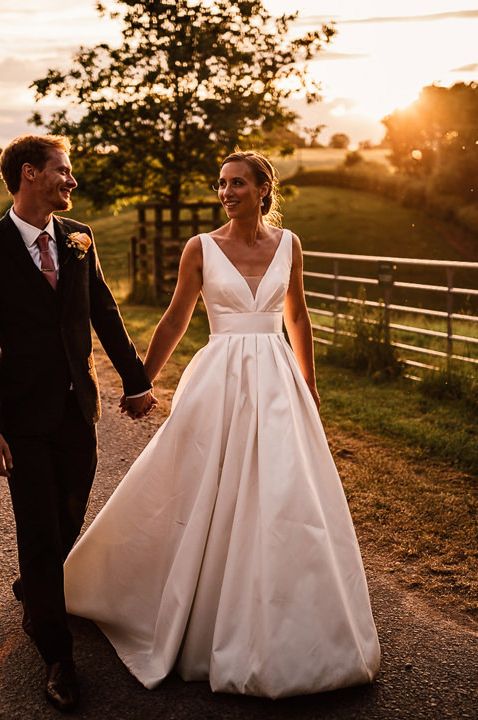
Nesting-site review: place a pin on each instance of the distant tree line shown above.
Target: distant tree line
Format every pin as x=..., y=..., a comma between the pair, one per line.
x=289, y=139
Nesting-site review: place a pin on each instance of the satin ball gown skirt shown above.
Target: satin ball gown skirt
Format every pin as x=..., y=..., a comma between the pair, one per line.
x=228, y=550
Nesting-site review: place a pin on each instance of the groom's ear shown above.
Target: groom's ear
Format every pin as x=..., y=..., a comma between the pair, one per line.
x=29, y=171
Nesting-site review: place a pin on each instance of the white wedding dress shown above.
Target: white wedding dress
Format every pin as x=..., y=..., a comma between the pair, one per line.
x=228, y=550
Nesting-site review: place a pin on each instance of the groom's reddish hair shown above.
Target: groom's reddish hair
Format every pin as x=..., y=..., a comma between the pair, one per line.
x=33, y=149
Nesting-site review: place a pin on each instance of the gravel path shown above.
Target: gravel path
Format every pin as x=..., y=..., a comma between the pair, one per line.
x=429, y=666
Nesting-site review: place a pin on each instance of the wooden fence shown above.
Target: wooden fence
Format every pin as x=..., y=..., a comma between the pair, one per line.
x=414, y=296
x=156, y=249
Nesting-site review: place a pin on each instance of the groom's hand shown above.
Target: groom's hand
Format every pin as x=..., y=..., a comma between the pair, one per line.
x=6, y=462
x=138, y=407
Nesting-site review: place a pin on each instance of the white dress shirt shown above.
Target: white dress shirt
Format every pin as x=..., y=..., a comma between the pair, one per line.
x=30, y=234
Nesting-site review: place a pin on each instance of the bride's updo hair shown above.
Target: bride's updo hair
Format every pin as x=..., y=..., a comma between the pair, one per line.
x=264, y=172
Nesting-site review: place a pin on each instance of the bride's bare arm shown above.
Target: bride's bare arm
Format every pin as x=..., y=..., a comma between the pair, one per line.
x=297, y=321
x=175, y=320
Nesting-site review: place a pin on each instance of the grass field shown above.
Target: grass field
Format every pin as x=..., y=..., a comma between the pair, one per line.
x=324, y=159
x=350, y=221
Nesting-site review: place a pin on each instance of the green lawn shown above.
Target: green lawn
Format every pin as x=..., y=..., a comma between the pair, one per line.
x=323, y=159
x=442, y=429
x=350, y=221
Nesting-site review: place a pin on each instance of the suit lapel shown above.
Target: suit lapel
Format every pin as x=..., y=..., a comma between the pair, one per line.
x=67, y=262
x=15, y=247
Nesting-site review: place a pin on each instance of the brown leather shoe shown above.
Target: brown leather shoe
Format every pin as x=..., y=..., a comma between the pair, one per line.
x=18, y=592
x=62, y=686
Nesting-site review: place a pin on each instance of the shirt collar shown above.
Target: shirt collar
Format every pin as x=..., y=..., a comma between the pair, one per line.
x=29, y=232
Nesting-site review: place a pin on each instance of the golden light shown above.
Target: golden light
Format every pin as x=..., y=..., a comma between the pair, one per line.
x=380, y=66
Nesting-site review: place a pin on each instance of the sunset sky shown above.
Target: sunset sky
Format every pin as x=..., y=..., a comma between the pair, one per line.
x=383, y=54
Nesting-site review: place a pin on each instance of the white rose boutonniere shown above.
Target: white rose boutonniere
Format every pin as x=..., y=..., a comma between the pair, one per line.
x=79, y=242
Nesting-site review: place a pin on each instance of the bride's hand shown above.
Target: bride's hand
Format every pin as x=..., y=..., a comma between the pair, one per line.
x=315, y=396
x=138, y=407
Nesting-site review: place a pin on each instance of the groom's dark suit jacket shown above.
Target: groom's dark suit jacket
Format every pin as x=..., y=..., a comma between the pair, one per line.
x=45, y=335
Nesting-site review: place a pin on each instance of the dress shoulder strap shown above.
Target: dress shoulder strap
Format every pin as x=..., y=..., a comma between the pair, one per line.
x=207, y=253
x=287, y=241
x=204, y=237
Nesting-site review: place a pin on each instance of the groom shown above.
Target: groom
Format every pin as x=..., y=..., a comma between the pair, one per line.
x=51, y=289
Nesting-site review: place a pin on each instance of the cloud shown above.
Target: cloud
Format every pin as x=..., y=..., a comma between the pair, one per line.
x=460, y=14
x=50, y=9
x=452, y=14
x=14, y=120
x=314, y=20
x=12, y=124
x=326, y=55
x=338, y=115
x=473, y=67
x=14, y=71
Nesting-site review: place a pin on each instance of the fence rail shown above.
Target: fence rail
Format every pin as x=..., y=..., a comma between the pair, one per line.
x=398, y=295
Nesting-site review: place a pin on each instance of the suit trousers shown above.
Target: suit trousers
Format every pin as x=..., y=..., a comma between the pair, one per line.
x=50, y=485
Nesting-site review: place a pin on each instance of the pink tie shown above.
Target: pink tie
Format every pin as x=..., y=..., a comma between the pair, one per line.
x=47, y=264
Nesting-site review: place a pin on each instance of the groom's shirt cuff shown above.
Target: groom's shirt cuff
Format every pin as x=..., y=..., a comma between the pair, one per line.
x=138, y=395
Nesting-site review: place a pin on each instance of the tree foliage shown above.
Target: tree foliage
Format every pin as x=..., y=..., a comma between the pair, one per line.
x=437, y=138
x=312, y=134
x=151, y=118
x=339, y=140
x=283, y=139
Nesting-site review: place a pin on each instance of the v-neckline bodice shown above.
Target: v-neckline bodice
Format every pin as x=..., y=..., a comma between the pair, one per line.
x=238, y=272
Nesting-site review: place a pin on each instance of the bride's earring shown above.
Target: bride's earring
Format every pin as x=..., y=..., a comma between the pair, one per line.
x=262, y=202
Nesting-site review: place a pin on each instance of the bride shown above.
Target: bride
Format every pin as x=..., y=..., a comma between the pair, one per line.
x=228, y=551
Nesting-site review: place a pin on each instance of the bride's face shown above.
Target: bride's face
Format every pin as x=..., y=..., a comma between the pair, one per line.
x=238, y=191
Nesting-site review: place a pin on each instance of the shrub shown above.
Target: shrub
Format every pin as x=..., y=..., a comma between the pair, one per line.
x=467, y=215
x=454, y=383
x=366, y=345
x=353, y=158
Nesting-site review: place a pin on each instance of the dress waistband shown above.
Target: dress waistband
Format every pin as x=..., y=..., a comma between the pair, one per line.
x=245, y=323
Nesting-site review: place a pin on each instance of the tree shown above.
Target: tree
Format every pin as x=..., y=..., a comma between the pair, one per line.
x=283, y=139
x=436, y=138
x=189, y=82
x=339, y=140
x=312, y=133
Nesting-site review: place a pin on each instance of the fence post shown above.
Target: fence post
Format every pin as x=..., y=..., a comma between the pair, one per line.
x=142, y=248
x=449, y=319
x=336, y=300
x=133, y=263
x=158, y=275
x=216, y=215
x=385, y=281
x=195, y=220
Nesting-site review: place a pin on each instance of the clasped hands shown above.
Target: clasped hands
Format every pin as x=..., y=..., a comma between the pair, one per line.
x=138, y=407
x=135, y=408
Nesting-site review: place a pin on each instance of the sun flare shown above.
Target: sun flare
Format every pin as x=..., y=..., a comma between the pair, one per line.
x=374, y=67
